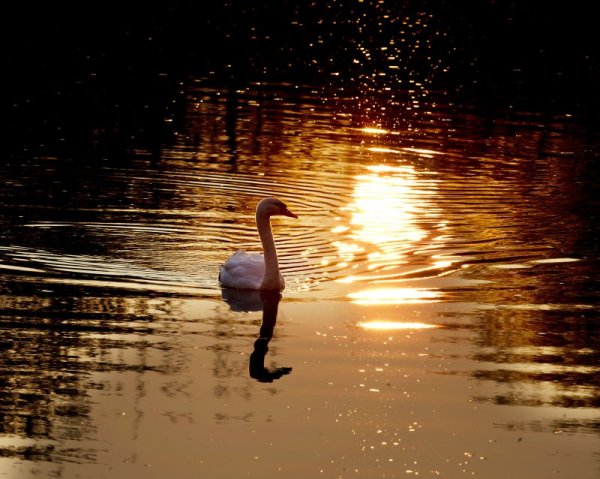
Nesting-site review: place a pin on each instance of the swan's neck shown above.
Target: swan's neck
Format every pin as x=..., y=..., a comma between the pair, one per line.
x=271, y=281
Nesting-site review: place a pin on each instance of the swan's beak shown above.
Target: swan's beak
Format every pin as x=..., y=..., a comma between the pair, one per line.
x=290, y=214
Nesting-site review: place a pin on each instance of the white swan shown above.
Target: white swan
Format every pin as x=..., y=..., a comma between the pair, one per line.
x=252, y=270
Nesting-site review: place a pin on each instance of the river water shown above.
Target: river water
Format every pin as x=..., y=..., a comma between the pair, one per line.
x=441, y=316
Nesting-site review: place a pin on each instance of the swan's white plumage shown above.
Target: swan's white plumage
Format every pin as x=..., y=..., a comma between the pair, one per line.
x=244, y=271
x=252, y=270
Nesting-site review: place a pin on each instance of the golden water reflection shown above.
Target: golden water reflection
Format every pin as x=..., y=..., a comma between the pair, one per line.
x=386, y=205
x=92, y=360
x=375, y=130
x=391, y=216
x=381, y=325
x=384, y=296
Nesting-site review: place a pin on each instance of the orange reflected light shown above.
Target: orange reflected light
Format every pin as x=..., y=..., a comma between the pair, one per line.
x=384, y=206
x=387, y=204
x=395, y=296
x=423, y=151
x=406, y=170
x=374, y=130
x=378, y=149
x=395, y=325
x=347, y=251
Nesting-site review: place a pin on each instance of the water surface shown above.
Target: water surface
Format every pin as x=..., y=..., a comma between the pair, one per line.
x=441, y=317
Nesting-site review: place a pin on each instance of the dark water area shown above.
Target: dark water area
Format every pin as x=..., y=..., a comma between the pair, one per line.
x=507, y=52
x=442, y=310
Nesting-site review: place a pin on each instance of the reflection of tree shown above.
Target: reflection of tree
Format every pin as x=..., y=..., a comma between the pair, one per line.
x=54, y=340
x=533, y=347
x=50, y=347
x=520, y=205
x=540, y=356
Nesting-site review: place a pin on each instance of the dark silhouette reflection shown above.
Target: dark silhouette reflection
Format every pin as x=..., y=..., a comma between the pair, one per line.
x=257, y=367
x=268, y=301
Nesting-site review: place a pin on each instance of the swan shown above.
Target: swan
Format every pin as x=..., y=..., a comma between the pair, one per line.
x=253, y=270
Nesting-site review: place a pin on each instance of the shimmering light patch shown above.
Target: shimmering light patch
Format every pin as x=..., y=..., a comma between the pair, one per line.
x=554, y=260
x=378, y=198
x=395, y=325
x=406, y=170
x=510, y=266
x=390, y=204
x=423, y=151
x=443, y=263
x=374, y=130
x=395, y=296
x=545, y=307
x=348, y=279
x=377, y=149
x=347, y=250
x=21, y=268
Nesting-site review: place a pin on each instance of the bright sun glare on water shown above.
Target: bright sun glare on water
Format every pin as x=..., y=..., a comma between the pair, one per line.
x=394, y=296
x=384, y=207
x=374, y=130
x=395, y=325
x=389, y=204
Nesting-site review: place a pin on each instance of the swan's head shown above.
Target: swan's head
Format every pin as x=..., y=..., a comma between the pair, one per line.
x=273, y=207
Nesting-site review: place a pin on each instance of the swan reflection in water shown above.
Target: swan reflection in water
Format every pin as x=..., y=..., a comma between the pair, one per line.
x=268, y=301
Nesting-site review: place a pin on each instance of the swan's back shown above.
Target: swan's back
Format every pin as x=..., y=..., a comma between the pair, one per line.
x=243, y=271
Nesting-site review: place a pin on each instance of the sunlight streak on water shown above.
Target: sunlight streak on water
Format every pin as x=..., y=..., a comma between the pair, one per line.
x=395, y=296
x=386, y=206
x=390, y=203
x=395, y=325
x=374, y=130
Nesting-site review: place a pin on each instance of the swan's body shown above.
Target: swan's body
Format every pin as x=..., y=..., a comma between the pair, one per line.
x=252, y=270
x=244, y=271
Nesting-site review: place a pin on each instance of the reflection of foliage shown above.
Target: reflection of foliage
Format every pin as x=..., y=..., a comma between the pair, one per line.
x=538, y=329
x=55, y=339
x=541, y=357
x=49, y=348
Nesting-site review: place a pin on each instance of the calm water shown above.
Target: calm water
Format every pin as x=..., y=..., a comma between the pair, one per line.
x=442, y=314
